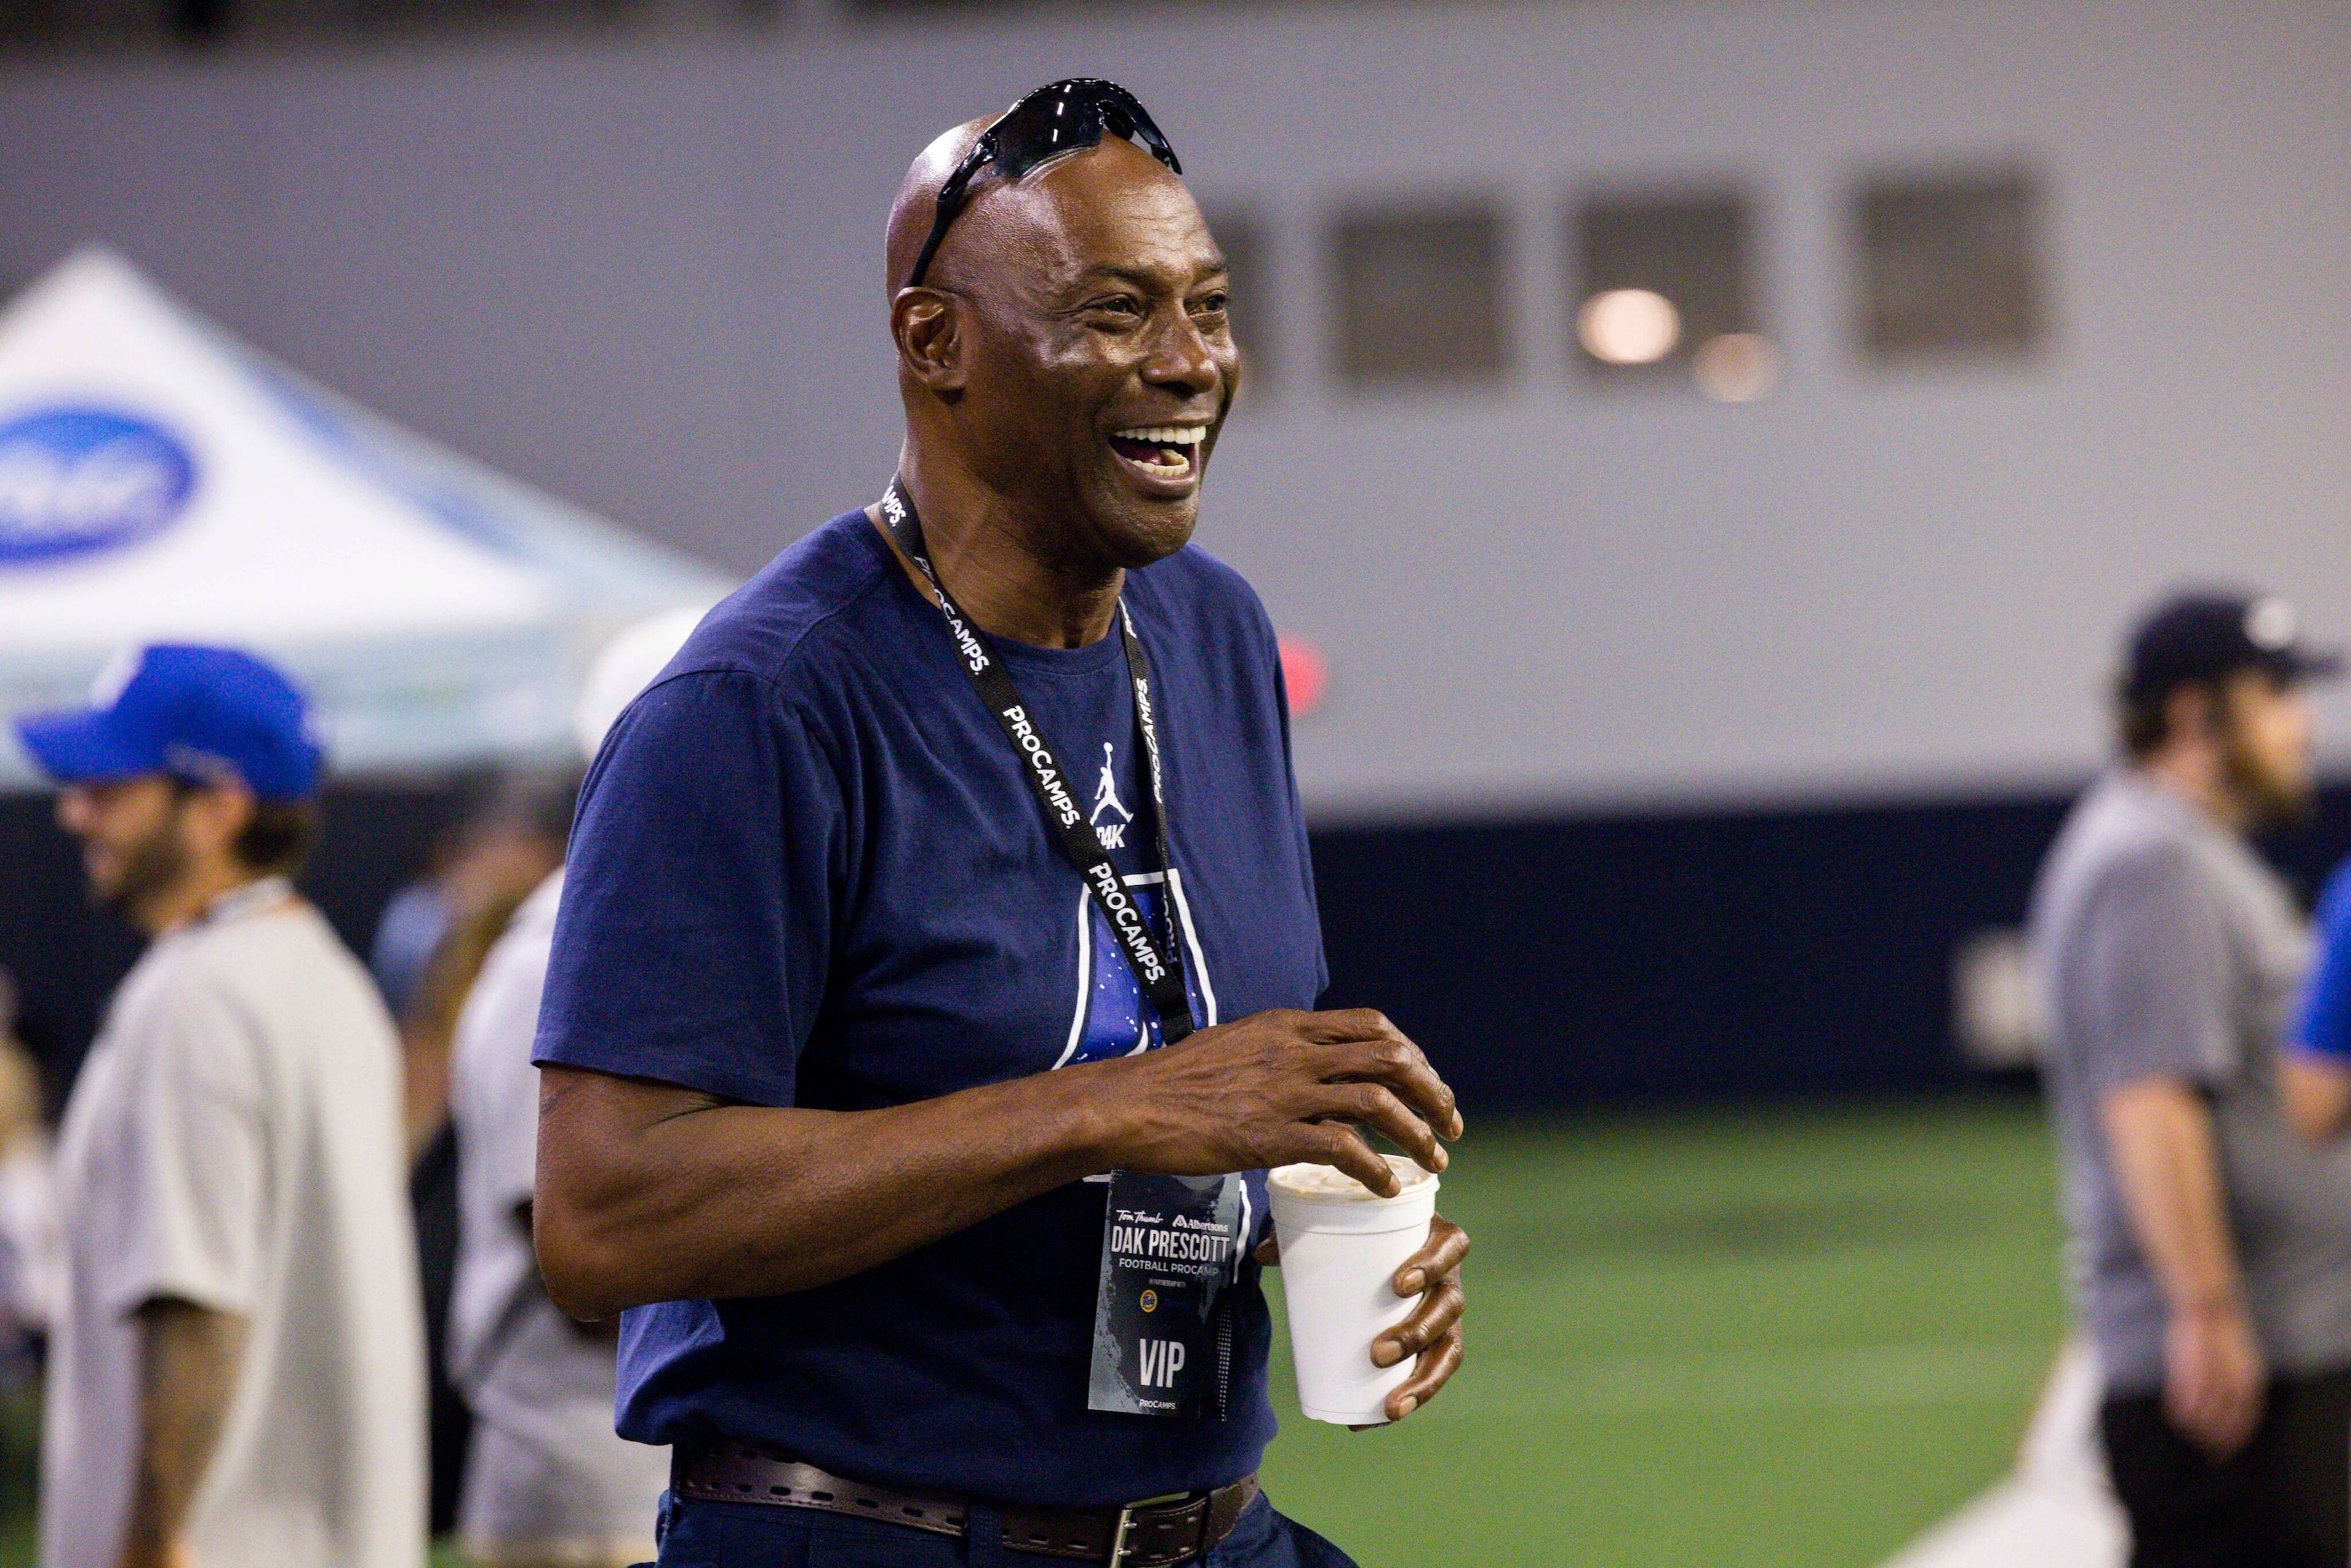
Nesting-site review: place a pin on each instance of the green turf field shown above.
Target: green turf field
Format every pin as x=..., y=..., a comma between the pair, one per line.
x=1756, y=1338
x=1762, y=1339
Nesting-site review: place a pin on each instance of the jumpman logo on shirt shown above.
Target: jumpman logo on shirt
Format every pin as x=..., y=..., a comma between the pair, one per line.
x=1112, y=834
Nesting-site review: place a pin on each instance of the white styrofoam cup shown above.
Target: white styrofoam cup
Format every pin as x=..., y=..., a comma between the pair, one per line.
x=1340, y=1251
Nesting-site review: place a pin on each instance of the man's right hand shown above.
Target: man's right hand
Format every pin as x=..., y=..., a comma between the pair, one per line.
x=1278, y=1087
x=2212, y=1377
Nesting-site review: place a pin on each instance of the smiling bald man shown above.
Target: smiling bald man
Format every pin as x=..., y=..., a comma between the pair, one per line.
x=939, y=939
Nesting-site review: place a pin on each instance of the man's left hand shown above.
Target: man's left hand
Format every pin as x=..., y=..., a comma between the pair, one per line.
x=1433, y=1331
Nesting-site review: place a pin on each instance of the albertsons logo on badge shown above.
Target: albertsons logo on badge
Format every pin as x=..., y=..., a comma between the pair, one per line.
x=83, y=478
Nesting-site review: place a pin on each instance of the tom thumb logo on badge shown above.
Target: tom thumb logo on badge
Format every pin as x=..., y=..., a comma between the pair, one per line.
x=76, y=479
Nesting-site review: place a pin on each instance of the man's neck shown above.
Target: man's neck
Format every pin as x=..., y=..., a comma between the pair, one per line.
x=988, y=555
x=2195, y=775
x=189, y=897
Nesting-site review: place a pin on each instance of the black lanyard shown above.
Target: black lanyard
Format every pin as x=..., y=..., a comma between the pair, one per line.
x=1162, y=975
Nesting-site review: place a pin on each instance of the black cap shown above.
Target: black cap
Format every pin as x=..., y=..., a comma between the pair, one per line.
x=2208, y=635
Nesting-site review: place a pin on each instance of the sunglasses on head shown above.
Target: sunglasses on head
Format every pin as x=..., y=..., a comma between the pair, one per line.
x=1059, y=117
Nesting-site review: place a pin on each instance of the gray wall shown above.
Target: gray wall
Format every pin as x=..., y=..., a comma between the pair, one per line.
x=643, y=276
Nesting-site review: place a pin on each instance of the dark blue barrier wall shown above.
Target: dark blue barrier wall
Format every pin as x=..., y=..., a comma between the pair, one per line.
x=1566, y=962
x=1705, y=955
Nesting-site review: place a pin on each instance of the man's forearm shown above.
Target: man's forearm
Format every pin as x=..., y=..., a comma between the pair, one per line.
x=2317, y=1094
x=753, y=1200
x=190, y=1357
x=2159, y=1134
x=652, y=1193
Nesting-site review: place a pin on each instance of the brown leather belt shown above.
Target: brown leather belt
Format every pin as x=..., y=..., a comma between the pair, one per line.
x=1141, y=1535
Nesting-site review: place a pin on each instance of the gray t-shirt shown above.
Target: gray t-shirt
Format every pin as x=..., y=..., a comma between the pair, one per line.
x=234, y=1140
x=548, y=1480
x=2167, y=948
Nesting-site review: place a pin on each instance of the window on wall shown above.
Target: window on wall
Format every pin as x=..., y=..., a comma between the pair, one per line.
x=1247, y=243
x=1419, y=297
x=1949, y=264
x=1663, y=293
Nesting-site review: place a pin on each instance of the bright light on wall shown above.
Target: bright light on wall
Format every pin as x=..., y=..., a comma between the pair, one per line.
x=1628, y=327
x=1736, y=366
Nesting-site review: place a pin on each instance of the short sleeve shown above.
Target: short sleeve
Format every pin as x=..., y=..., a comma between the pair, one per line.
x=695, y=930
x=187, y=1217
x=2324, y=1028
x=2154, y=997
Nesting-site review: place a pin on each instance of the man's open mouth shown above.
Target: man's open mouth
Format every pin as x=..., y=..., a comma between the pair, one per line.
x=1162, y=451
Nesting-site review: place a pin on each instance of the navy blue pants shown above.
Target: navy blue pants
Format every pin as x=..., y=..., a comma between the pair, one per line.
x=743, y=1535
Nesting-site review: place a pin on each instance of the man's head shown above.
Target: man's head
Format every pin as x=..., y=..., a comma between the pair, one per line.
x=1068, y=349
x=2216, y=679
x=192, y=769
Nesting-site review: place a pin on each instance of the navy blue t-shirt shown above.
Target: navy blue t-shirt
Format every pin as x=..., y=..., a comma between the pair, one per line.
x=808, y=870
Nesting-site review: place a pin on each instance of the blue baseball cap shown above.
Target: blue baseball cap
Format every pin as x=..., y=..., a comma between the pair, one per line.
x=204, y=713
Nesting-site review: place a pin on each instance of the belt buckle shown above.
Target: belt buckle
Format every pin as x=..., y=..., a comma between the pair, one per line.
x=1118, y=1538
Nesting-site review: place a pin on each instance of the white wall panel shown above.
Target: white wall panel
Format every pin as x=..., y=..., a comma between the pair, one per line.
x=644, y=276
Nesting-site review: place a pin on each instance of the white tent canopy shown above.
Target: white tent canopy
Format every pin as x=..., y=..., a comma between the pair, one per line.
x=161, y=481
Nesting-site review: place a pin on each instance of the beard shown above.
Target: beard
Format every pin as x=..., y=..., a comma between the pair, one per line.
x=2273, y=802
x=149, y=865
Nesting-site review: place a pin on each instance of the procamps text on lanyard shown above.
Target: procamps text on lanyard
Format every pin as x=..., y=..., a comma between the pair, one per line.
x=1160, y=971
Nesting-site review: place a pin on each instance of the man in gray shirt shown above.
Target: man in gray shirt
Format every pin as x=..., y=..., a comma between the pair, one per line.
x=236, y=1361
x=2213, y=1245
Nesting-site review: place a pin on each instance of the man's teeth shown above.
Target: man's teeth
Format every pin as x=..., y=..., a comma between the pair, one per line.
x=1182, y=438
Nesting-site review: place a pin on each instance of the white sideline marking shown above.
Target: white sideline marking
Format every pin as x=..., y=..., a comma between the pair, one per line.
x=2056, y=1511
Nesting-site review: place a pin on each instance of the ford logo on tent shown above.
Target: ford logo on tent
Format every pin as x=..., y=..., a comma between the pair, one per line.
x=73, y=480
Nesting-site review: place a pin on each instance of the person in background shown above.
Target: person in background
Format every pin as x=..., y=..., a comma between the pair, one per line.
x=432, y=937
x=236, y=1367
x=548, y=1482
x=2213, y=1244
x=429, y=946
x=28, y=1239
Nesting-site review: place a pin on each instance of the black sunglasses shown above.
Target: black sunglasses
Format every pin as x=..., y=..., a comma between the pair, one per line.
x=1059, y=117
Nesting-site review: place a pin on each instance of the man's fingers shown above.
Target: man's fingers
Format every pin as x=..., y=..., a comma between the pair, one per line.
x=2241, y=1414
x=1347, y=1023
x=2190, y=1403
x=2223, y=1427
x=2191, y=1407
x=1398, y=1063
x=1361, y=1045
x=2180, y=1412
x=1436, y=1367
x=1334, y=1144
x=1442, y=1253
x=1438, y=1311
x=2216, y=1413
x=1372, y=1105
x=1268, y=1252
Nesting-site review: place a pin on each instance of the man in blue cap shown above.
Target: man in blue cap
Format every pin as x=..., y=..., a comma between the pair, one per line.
x=2213, y=1245
x=236, y=1374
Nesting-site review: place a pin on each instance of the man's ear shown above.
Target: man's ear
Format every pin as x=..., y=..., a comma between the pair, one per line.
x=217, y=813
x=929, y=327
x=2192, y=709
